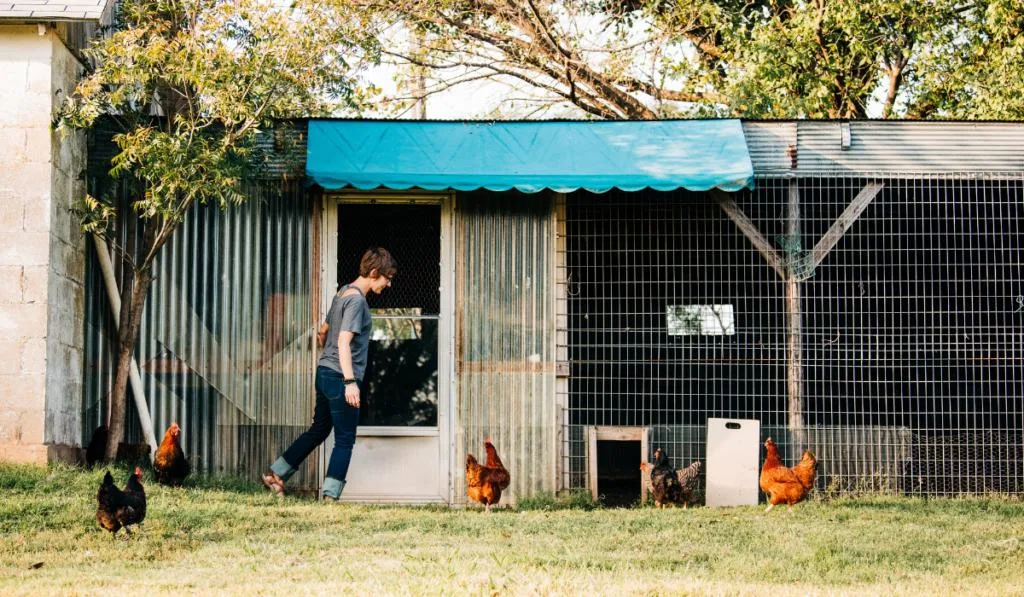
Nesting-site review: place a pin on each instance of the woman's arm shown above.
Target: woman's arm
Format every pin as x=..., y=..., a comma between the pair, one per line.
x=345, y=360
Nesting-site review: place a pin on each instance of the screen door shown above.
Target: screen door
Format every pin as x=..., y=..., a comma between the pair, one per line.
x=403, y=415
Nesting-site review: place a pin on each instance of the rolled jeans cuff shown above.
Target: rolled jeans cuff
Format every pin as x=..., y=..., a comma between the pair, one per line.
x=282, y=469
x=333, y=488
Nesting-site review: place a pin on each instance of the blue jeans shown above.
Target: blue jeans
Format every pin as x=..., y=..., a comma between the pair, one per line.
x=331, y=412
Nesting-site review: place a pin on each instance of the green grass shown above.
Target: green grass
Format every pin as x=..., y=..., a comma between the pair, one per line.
x=222, y=535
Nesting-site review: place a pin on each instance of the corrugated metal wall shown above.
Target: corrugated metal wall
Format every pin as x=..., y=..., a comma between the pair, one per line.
x=505, y=337
x=905, y=149
x=225, y=346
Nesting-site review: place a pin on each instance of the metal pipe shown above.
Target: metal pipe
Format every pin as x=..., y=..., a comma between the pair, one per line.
x=133, y=374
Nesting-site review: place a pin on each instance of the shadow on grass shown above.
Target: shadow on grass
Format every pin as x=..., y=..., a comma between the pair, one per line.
x=59, y=477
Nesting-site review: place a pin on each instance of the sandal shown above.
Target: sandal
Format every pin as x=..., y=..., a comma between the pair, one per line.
x=273, y=483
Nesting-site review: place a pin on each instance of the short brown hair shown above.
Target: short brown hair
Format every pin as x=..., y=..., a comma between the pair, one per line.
x=377, y=258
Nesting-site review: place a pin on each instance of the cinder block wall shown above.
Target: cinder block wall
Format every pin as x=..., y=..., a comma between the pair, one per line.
x=41, y=252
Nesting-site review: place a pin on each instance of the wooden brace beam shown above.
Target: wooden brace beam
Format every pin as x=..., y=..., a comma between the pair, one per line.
x=771, y=256
x=844, y=221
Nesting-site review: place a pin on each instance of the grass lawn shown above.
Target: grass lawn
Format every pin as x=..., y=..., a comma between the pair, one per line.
x=225, y=536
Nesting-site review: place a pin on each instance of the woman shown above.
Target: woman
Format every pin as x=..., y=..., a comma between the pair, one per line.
x=339, y=377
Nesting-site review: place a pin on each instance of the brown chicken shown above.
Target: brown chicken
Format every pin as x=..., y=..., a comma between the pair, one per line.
x=807, y=469
x=485, y=482
x=782, y=484
x=689, y=480
x=500, y=474
x=118, y=508
x=169, y=462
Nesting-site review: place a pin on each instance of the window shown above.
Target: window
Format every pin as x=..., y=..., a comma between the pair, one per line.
x=700, y=320
x=401, y=372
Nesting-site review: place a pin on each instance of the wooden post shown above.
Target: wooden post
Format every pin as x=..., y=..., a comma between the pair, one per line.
x=592, y=461
x=561, y=310
x=645, y=450
x=789, y=270
x=794, y=344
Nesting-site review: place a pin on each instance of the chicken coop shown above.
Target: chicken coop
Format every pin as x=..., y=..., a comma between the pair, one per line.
x=583, y=292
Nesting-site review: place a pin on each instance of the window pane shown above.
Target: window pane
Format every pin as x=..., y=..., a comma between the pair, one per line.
x=401, y=372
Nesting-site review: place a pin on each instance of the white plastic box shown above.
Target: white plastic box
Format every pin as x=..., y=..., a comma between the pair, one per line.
x=733, y=462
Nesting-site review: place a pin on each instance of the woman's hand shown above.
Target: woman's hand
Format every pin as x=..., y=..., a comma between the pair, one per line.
x=352, y=394
x=321, y=335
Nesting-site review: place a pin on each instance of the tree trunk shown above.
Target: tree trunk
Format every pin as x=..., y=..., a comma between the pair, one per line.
x=126, y=350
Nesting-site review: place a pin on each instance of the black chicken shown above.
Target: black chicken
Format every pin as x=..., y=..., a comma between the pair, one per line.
x=97, y=446
x=118, y=508
x=665, y=487
x=134, y=511
x=108, y=499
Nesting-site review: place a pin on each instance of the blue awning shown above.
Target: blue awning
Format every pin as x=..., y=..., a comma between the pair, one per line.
x=562, y=156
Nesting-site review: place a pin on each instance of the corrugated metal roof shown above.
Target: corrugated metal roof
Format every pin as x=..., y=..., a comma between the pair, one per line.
x=52, y=10
x=768, y=144
x=283, y=150
x=890, y=147
x=910, y=147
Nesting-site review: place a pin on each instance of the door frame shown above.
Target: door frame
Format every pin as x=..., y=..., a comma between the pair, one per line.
x=446, y=323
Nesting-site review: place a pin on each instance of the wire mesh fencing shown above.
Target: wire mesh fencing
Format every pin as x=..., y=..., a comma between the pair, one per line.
x=876, y=321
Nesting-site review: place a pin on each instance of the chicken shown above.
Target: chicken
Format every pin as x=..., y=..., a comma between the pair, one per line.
x=134, y=511
x=689, y=479
x=108, y=499
x=807, y=469
x=118, y=508
x=782, y=484
x=169, y=462
x=97, y=446
x=96, y=450
x=665, y=488
x=500, y=475
x=484, y=483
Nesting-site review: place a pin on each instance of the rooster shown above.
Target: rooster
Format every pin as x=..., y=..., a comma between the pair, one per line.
x=689, y=479
x=118, y=508
x=169, y=462
x=484, y=483
x=665, y=487
x=782, y=484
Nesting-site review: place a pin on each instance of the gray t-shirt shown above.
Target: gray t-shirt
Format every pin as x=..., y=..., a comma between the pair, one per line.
x=350, y=314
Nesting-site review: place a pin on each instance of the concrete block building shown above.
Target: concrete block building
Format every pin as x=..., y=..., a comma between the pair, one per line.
x=42, y=255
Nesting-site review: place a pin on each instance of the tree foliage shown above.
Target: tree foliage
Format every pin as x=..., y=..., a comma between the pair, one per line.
x=189, y=84
x=751, y=58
